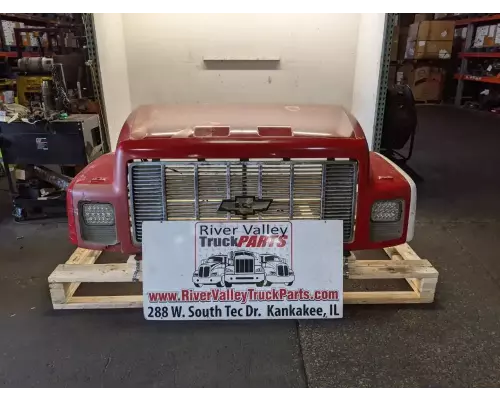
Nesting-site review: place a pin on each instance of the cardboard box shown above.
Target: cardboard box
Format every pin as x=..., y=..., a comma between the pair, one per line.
x=425, y=72
x=497, y=35
x=410, y=49
x=439, y=16
x=481, y=32
x=436, y=30
x=8, y=32
x=428, y=91
x=413, y=32
x=431, y=30
x=423, y=17
x=489, y=40
x=428, y=49
x=432, y=49
x=486, y=36
x=427, y=83
x=461, y=32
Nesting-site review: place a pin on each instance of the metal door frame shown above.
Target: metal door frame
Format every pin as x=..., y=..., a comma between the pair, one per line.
x=390, y=22
x=93, y=64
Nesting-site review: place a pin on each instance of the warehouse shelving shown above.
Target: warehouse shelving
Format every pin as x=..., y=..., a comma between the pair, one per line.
x=469, y=21
x=43, y=22
x=480, y=54
x=484, y=79
x=463, y=76
x=33, y=19
x=13, y=54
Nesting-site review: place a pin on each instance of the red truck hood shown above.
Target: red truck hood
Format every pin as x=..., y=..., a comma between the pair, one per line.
x=231, y=131
x=239, y=122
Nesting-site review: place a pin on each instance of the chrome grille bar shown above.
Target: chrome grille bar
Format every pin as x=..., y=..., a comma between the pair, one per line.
x=178, y=190
x=196, y=193
x=228, y=186
x=290, y=201
x=323, y=184
x=340, y=194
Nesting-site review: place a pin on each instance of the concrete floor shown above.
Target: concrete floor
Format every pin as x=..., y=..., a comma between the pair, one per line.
x=453, y=342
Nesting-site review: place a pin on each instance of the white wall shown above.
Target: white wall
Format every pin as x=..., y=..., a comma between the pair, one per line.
x=113, y=67
x=165, y=57
x=367, y=71
x=158, y=58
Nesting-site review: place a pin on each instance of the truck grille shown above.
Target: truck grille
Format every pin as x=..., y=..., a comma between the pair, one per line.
x=243, y=266
x=204, y=272
x=283, y=270
x=183, y=191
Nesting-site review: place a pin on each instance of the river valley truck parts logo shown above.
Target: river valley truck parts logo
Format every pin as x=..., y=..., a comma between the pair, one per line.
x=243, y=254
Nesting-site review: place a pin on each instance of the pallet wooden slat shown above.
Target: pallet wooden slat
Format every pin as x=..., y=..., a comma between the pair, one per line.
x=403, y=263
x=120, y=272
x=382, y=297
x=60, y=292
x=96, y=302
x=425, y=287
x=388, y=269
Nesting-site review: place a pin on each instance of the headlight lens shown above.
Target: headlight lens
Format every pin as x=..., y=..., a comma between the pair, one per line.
x=98, y=214
x=387, y=211
x=258, y=270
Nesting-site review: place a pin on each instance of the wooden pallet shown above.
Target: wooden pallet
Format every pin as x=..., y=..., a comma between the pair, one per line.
x=81, y=268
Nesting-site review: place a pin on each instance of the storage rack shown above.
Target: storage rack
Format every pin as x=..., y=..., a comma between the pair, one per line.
x=463, y=76
x=40, y=20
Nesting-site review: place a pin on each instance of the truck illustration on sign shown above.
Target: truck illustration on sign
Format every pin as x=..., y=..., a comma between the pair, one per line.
x=211, y=271
x=277, y=269
x=243, y=267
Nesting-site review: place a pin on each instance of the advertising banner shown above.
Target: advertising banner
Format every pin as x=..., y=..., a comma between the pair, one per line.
x=242, y=270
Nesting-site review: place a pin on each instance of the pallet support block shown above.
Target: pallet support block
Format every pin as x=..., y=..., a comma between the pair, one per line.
x=80, y=268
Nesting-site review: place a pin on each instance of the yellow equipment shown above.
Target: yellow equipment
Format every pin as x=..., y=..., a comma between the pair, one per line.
x=29, y=89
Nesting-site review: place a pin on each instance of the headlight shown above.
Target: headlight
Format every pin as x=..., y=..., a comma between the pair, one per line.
x=290, y=273
x=259, y=270
x=98, y=214
x=272, y=273
x=387, y=211
x=229, y=270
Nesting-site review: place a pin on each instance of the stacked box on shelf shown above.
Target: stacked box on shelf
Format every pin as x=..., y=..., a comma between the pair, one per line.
x=8, y=32
x=32, y=38
x=426, y=81
x=430, y=40
x=28, y=38
x=398, y=43
x=423, y=17
x=427, y=40
x=487, y=36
